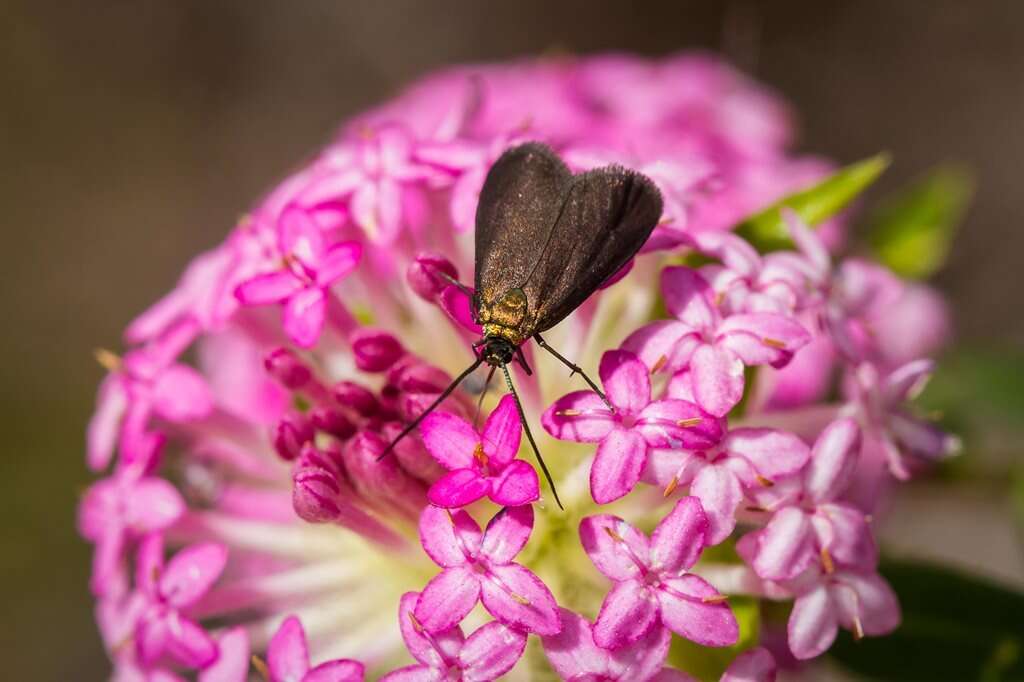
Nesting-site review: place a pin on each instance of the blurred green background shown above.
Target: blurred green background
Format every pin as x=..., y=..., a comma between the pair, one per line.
x=132, y=134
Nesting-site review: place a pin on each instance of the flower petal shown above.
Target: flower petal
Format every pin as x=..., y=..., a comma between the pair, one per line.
x=447, y=598
x=271, y=287
x=459, y=307
x=517, y=484
x=643, y=659
x=663, y=344
x=188, y=643
x=458, y=488
x=771, y=452
x=785, y=547
x=490, y=652
x=181, y=394
x=232, y=664
x=340, y=260
x=680, y=537
x=572, y=652
x=507, y=534
x=867, y=599
x=719, y=492
x=342, y=670
x=287, y=653
x=450, y=439
x=844, y=531
x=191, y=572
x=580, y=416
x=423, y=648
x=755, y=665
x=626, y=380
x=304, y=316
x=153, y=504
x=833, y=460
x=518, y=598
x=299, y=236
x=617, y=549
x=449, y=538
x=812, y=624
x=414, y=673
x=763, y=338
x=717, y=375
x=684, y=612
x=502, y=432
x=628, y=613
x=617, y=465
x=689, y=297
x=101, y=438
x=669, y=424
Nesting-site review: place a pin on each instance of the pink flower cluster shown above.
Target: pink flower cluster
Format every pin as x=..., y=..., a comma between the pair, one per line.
x=245, y=425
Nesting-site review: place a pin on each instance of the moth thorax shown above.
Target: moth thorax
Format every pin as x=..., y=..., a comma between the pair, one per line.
x=506, y=317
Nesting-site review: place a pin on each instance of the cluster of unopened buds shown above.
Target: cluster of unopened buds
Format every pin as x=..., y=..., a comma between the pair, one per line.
x=252, y=522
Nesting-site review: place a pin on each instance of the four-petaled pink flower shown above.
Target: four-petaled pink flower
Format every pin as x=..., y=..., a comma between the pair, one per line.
x=716, y=348
x=479, y=567
x=163, y=628
x=448, y=656
x=308, y=269
x=480, y=464
x=652, y=584
x=288, y=659
x=748, y=459
x=628, y=434
x=809, y=523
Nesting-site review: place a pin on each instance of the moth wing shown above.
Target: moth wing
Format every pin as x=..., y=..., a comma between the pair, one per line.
x=519, y=205
x=605, y=217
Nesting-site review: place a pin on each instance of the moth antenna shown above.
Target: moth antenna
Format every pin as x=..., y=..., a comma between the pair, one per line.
x=575, y=369
x=440, y=399
x=455, y=283
x=483, y=394
x=529, y=436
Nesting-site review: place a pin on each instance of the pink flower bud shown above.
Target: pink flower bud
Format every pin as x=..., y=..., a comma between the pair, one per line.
x=425, y=275
x=375, y=350
x=290, y=434
x=333, y=421
x=286, y=367
x=356, y=396
x=313, y=494
x=382, y=483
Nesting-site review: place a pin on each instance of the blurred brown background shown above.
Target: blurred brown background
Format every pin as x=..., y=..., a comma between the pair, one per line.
x=133, y=133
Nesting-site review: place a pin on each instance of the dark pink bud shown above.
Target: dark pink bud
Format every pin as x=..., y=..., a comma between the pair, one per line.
x=356, y=396
x=331, y=420
x=375, y=350
x=287, y=368
x=314, y=494
x=425, y=275
x=290, y=434
x=384, y=483
x=412, y=455
x=418, y=377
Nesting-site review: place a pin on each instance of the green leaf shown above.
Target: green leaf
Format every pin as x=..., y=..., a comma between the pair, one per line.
x=912, y=231
x=767, y=231
x=955, y=627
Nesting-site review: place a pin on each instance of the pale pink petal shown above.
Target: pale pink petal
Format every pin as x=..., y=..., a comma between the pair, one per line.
x=151, y=639
x=580, y=416
x=572, y=652
x=154, y=504
x=101, y=437
x=671, y=467
x=643, y=659
x=771, y=452
x=304, y=316
x=628, y=613
x=232, y=664
x=425, y=648
x=617, y=465
x=414, y=673
x=689, y=297
x=272, y=287
x=684, y=612
x=459, y=306
x=300, y=236
x=808, y=242
x=626, y=380
x=777, y=337
x=450, y=439
x=717, y=375
x=458, y=488
x=149, y=563
x=614, y=546
x=503, y=431
x=338, y=262
x=490, y=652
x=907, y=381
x=785, y=548
x=734, y=252
x=449, y=537
x=755, y=665
x=342, y=670
x=191, y=572
x=518, y=598
x=679, y=538
x=447, y=598
x=844, y=531
x=833, y=460
x=517, y=484
x=181, y=394
x=668, y=424
x=663, y=345
x=812, y=624
x=719, y=492
x=507, y=534
x=188, y=643
x=865, y=598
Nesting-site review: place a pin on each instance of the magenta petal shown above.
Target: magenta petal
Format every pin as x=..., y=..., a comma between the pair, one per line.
x=617, y=465
x=490, y=652
x=580, y=416
x=663, y=344
x=272, y=287
x=629, y=611
x=643, y=659
x=101, y=438
x=459, y=307
x=287, y=653
x=304, y=316
x=572, y=652
x=679, y=538
x=684, y=612
x=517, y=484
x=427, y=649
x=300, y=236
x=232, y=664
x=833, y=460
x=450, y=439
x=189, y=644
x=719, y=494
x=612, y=544
x=785, y=548
x=626, y=380
x=775, y=332
x=458, y=488
x=844, y=531
x=812, y=624
x=154, y=504
x=447, y=598
x=755, y=665
x=151, y=639
x=338, y=262
x=342, y=670
x=181, y=394
x=414, y=673
x=191, y=572
x=667, y=424
x=717, y=376
x=502, y=432
x=771, y=452
x=448, y=537
x=689, y=297
x=507, y=534
x=518, y=598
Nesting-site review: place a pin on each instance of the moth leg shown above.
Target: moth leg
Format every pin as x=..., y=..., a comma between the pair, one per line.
x=522, y=361
x=529, y=436
x=575, y=369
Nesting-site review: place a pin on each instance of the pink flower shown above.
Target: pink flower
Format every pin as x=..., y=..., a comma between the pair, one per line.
x=716, y=348
x=163, y=628
x=480, y=464
x=628, y=434
x=479, y=567
x=309, y=267
x=809, y=523
x=745, y=460
x=652, y=584
x=447, y=656
x=288, y=659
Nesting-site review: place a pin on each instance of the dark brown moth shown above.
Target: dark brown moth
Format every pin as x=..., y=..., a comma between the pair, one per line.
x=546, y=239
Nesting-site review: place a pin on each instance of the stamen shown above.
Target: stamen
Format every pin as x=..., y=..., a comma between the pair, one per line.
x=519, y=598
x=858, y=629
x=261, y=667
x=715, y=599
x=568, y=413
x=109, y=360
x=756, y=508
x=613, y=535
x=670, y=488
x=766, y=482
x=479, y=455
x=692, y=421
x=415, y=623
x=773, y=343
x=826, y=561
x=662, y=361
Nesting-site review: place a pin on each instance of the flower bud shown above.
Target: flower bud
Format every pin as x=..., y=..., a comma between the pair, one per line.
x=355, y=396
x=331, y=420
x=286, y=367
x=290, y=434
x=425, y=275
x=375, y=350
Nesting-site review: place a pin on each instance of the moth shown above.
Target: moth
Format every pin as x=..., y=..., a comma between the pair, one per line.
x=546, y=239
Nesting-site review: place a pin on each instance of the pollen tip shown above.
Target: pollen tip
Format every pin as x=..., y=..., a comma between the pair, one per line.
x=715, y=599
x=691, y=421
x=520, y=598
x=613, y=535
x=661, y=362
x=568, y=413
x=415, y=623
x=756, y=508
x=109, y=360
x=858, y=629
x=670, y=488
x=261, y=667
x=766, y=482
x=826, y=561
x=773, y=343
